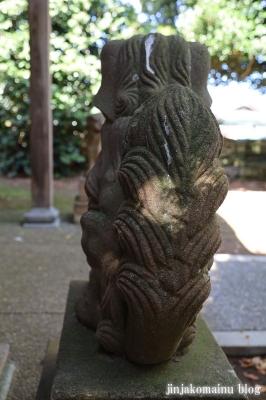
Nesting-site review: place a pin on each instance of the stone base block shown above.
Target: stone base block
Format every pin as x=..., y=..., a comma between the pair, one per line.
x=54, y=224
x=242, y=343
x=45, y=385
x=4, y=350
x=41, y=217
x=5, y=380
x=85, y=371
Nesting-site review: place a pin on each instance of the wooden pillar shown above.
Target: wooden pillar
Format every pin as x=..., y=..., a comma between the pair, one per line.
x=41, y=136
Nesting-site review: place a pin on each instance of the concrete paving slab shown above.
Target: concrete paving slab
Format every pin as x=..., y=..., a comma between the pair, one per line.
x=36, y=277
x=69, y=233
x=238, y=296
x=246, y=343
x=5, y=380
x=36, y=267
x=4, y=350
x=28, y=335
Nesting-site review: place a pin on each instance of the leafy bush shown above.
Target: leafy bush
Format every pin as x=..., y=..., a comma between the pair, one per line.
x=79, y=31
x=234, y=32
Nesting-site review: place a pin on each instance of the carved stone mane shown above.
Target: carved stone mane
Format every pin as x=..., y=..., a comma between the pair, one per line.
x=150, y=232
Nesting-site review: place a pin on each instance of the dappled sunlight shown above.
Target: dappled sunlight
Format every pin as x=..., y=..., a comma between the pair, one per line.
x=245, y=213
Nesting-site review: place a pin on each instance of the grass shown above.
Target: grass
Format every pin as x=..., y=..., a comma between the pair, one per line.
x=15, y=197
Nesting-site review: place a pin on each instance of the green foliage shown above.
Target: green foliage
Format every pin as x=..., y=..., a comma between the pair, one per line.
x=79, y=31
x=14, y=121
x=227, y=26
x=234, y=32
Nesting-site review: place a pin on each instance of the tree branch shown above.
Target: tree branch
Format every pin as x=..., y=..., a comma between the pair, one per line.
x=248, y=69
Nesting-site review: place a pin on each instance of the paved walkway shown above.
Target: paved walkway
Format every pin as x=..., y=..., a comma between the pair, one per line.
x=243, y=217
x=238, y=296
x=36, y=267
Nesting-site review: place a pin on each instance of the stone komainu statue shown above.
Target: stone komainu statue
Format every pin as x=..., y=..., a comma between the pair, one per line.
x=150, y=232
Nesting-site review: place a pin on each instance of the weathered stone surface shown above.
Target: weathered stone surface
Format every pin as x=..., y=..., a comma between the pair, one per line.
x=48, y=371
x=133, y=70
x=242, y=343
x=150, y=232
x=4, y=350
x=241, y=307
x=85, y=371
x=42, y=217
x=40, y=267
x=5, y=380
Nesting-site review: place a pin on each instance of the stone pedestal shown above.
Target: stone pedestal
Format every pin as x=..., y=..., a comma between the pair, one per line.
x=6, y=371
x=45, y=384
x=4, y=350
x=85, y=371
x=42, y=217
